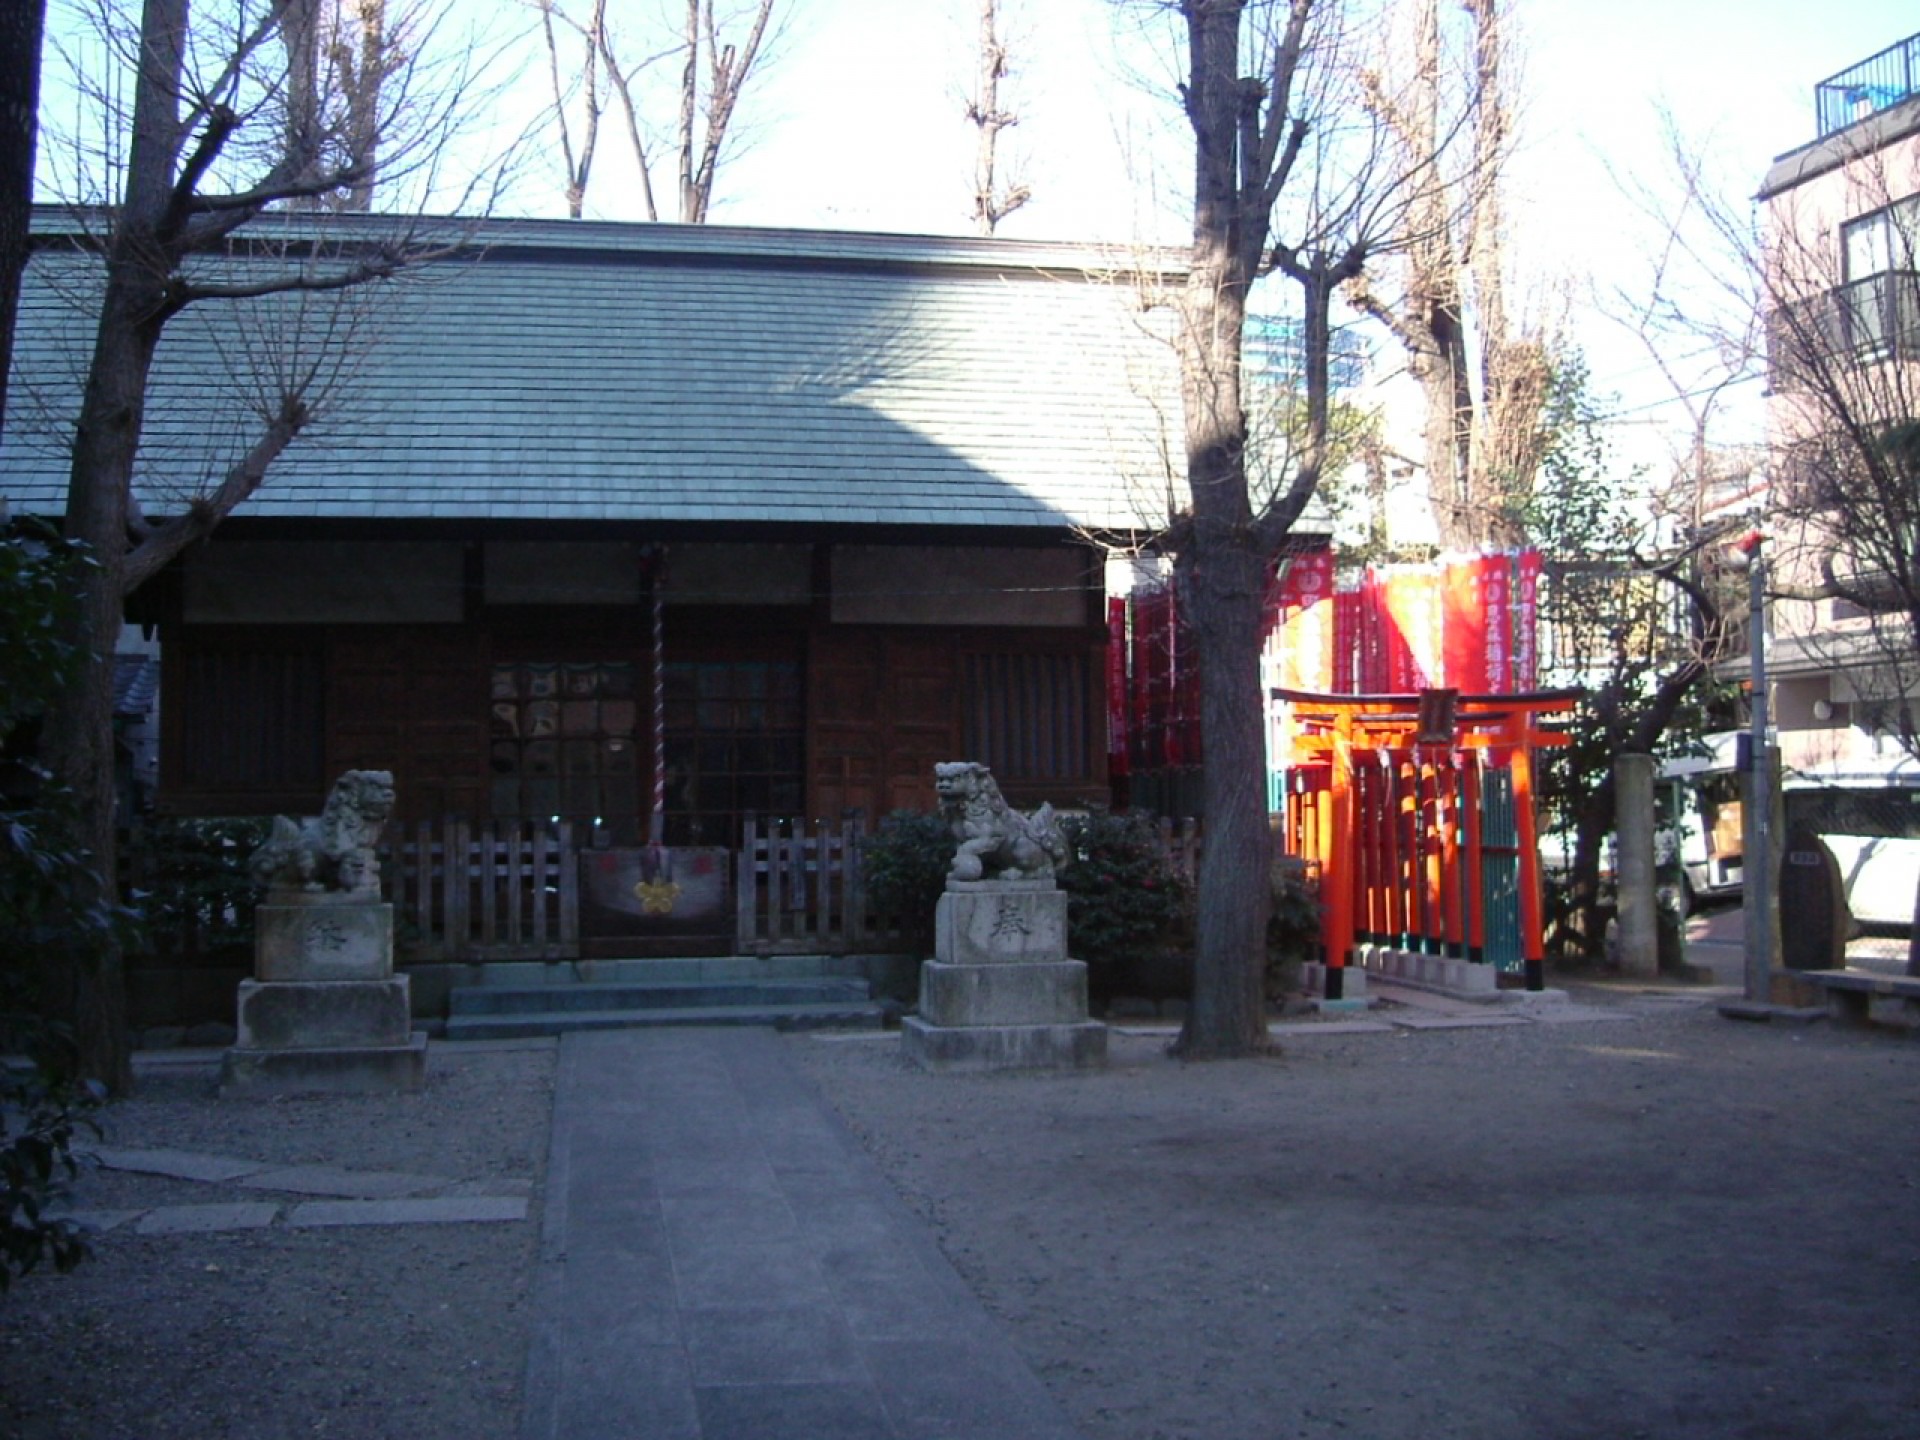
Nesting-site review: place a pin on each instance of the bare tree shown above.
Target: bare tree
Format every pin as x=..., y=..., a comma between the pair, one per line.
x=1289, y=180
x=692, y=120
x=339, y=56
x=589, y=92
x=1484, y=379
x=707, y=105
x=992, y=201
x=1635, y=610
x=210, y=146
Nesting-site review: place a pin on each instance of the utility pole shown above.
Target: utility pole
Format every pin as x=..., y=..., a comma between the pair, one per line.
x=1756, y=866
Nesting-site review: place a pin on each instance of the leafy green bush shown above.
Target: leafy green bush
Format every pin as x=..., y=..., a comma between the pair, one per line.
x=192, y=886
x=1125, y=901
x=906, y=862
x=41, y=1109
x=1293, y=924
x=50, y=914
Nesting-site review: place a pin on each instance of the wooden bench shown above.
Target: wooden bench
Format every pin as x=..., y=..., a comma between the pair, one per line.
x=1865, y=996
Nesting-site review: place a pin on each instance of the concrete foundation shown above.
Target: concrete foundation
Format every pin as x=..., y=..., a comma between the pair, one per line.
x=1000, y=922
x=313, y=1014
x=1042, y=993
x=1004, y=1047
x=325, y=1013
x=341, y=1070
x=1443, y=974
x=1001, y=993
x=323, y=942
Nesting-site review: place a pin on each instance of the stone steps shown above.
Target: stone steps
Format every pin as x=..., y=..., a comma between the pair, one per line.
x=735, y=991
x=853, y=1015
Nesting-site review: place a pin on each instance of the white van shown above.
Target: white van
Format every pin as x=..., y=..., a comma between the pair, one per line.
x=1868, y=814
x=1870, y=818
x=1697, y=802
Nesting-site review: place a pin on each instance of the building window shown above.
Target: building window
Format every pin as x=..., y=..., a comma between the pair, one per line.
x=734, y=733
x=565, y=742
x=1028, y=716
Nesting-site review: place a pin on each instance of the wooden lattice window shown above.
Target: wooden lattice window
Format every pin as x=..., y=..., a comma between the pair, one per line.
x=250, y=719
x=1028, y=716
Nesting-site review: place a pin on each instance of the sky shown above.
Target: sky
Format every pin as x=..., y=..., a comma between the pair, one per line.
x=863, y=127
x=859, y=124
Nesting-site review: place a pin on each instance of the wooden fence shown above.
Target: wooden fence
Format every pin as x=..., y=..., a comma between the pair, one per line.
x=800, y=889
x=494, y=891
x=505, y=891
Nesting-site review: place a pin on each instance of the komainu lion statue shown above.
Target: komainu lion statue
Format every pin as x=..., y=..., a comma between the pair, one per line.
x=996, y=842
x=334, y=851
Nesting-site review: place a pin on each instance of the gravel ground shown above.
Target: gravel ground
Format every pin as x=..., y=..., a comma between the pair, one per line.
x=1674, y=1226
x=1671, y=1226
x=416, y=1332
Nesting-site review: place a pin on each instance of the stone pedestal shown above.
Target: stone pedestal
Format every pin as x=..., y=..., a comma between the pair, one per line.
x=326, y=1013
x=1001, y=993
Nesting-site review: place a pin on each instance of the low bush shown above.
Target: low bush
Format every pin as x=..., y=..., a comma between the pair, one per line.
x=906, y=862
x=42, y=1108
x=1293, y=924
x=190, y=882
x=1125, y=901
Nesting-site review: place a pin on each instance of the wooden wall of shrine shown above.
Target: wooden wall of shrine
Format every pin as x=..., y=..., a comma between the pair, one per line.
x=779, y=711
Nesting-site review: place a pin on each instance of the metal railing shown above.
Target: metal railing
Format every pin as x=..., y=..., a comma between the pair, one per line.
x=1868, y=320
x=1861, y=90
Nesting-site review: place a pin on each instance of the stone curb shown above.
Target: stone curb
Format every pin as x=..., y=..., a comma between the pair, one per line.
x=329, y=1180
x=310, y=1214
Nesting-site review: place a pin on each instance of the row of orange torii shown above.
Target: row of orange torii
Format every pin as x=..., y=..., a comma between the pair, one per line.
x=1416, y=811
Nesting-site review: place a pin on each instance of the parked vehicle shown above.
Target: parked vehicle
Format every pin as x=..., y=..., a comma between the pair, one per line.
x=1697, y=798
x=1867, y=812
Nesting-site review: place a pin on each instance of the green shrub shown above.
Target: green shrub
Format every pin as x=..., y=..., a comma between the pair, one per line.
x=50, y=912
x=1125, y=901
x=1293, y=924
x=190, y=881
x=41, y=1108
x=906, y=862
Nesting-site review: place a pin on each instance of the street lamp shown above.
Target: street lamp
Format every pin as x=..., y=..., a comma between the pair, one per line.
x=1756, y=866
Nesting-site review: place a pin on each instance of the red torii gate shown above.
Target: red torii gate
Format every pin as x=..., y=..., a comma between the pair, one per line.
x=1392, y=796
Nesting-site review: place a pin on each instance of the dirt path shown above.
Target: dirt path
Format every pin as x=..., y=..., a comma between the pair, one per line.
x=1668, y=1225
x=1671, y=1226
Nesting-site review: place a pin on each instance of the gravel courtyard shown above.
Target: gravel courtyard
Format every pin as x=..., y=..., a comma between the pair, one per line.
x=1649, y=1222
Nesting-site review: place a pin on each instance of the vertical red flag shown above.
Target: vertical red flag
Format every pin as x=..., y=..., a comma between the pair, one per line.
x=1347, y=608
x=1496, y=591
x=1465, y=624
x=1117, y=766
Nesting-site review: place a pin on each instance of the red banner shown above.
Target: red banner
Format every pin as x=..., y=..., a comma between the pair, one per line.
x=1496, y=593
x=1117, y=707
x=1465, y=625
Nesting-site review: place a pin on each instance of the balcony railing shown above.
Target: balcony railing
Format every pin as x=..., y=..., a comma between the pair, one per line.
x=1869, y=320
x=1876, y=83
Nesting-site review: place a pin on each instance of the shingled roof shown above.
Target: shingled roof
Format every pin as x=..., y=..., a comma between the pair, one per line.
x=655, y=373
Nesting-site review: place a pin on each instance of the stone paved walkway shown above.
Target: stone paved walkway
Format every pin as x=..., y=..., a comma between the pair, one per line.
x=721, y=1261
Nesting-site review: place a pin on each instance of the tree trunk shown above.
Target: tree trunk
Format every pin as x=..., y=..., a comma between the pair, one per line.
x=79, y=731
x=1222, y=583
x=21, y=23
x=1221, y=575
x=133, y=308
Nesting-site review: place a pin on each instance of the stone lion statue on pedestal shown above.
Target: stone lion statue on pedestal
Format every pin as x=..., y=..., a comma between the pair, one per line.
x=995, y=841
x=333, y=852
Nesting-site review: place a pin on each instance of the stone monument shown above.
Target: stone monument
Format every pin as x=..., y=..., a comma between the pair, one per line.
x=1001, y=992
x=324, y=1011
